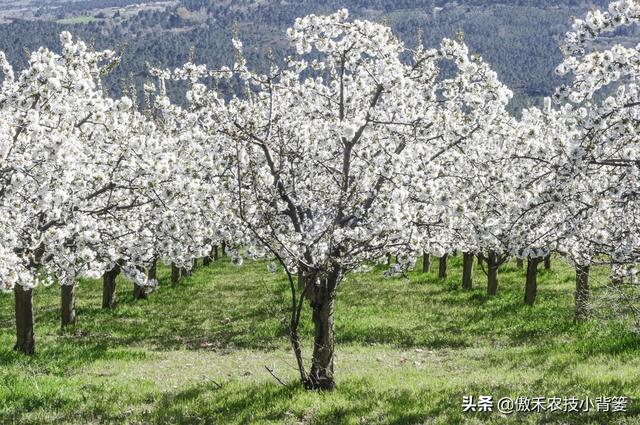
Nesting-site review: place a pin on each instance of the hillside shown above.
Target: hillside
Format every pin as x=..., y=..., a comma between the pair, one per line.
x=519, y=38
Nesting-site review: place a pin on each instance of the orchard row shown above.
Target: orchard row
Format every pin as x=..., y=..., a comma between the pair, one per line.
x=355, y=148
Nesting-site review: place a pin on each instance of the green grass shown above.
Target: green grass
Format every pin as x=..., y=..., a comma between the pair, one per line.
x=407, y=353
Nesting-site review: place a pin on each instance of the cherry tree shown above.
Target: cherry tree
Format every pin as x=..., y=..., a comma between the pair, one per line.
x=543, y=204
x=39, y=162
x=72, y=164
x=603, y=100
x=319, y=156
x=194, y=217
x=448, y=173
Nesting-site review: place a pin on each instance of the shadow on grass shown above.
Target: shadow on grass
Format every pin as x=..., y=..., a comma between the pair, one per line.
x=220, y=309
x=56, y=358
x=364, y=400
x=354, y=401
x=434, y=313
x=216, y=308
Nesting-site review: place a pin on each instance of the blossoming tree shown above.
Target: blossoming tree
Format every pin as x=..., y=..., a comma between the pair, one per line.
x=319, y=155
x=603, y=105
x=73, y=171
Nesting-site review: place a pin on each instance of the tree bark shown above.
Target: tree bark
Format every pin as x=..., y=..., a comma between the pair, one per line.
x=194, y=264
x=582, y=292
x=139, y=292
x=547, y=262
x=426, y=262
x=215, y=253
x=25, y=335
x=442, y=266
x=109, y=288
x=322, y=362
x=175, y=274
x=153, y=269
x=531, y=286
x=467, y=270
x=492, y=273
x=301, y=279
x=224, y=248
x=184, y=272
x=519, y=263
x=68, y=305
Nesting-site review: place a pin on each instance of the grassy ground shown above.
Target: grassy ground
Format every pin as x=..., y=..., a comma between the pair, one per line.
x=407, y=353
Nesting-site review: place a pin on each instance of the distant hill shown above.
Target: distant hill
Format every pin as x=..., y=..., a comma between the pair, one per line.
x=519, y=38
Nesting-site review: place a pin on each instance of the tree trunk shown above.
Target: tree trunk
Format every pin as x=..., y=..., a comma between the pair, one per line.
x=224, y=249
x=531, y=286
x=109, y=288
x=442, y=266
x=301, y=280
x=582, y=292
x=153, y=270
x=139, y=292
x=25, y=336
x=184, y=272
x=426, y=262
x=206, y=260
x=68, y=305
x=215, y=253
x=467, y=270
x=389, y=260
x=492, y=273
x=547, y=262
x=194, y=264
x=519, y=263
x=175, y=274
x=322, y=363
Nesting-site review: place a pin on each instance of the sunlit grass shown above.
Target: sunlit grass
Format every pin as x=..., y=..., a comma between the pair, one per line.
x=407, y=352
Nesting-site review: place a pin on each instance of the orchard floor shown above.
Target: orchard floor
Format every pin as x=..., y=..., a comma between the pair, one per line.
x=407, y=353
